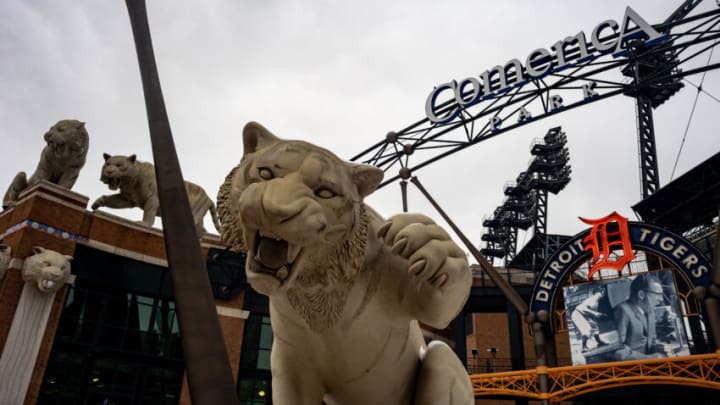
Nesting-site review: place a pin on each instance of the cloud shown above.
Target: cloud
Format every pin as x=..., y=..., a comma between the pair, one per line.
x=335, y=73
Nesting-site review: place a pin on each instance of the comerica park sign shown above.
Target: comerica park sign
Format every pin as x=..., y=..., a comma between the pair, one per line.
x=447, y=100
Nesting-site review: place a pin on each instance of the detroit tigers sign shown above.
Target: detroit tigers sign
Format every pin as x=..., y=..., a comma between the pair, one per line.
x=691, y=262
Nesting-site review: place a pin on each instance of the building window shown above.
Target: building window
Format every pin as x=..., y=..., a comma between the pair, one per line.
x=114, y=347
x=254, y=391
x=254, y=385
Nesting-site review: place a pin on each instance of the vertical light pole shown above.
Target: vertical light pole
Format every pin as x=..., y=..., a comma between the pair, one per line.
x=208, y=370
x=493, y=352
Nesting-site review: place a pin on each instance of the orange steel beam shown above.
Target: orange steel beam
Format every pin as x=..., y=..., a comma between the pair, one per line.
x=567, y=382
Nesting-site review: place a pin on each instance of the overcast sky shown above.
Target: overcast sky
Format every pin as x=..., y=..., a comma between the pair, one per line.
x=339, y=74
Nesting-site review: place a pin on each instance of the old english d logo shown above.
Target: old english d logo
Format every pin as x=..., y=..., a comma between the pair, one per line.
x=608, y=234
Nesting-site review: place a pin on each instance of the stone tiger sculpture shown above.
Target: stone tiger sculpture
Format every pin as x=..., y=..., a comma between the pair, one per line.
x=346, y=288
x=60, y=160
x=138, y=188
x=48, y=269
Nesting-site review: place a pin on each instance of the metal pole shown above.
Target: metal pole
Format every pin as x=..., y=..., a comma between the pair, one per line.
x=712, y=311
x=507, y=290
x=538, y=331
x=712, y=303
x=208, y=369
x=716, y=255
x=403, y=191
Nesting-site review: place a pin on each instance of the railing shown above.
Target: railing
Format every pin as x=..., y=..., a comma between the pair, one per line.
x=486, y=365
x=567, y=382
x=516, y=277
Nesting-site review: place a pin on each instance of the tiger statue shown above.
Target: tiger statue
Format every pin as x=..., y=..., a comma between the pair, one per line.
x=48, y=269
x=60, y=161
x=347, y=288
x=138, y=188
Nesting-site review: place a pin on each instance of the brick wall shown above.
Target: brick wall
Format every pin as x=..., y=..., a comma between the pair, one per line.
x=57, y=219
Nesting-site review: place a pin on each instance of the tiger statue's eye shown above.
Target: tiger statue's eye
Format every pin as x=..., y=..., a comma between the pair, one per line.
x=265, y=173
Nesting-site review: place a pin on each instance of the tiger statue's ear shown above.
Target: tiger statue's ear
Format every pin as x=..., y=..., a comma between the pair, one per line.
x=132, y=158
x=106, y=156
x=256, y=137
x=367, y=178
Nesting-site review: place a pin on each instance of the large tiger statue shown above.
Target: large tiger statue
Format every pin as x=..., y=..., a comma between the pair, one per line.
x=47, y=269
x=138, y=188
x=346, y=287
x=60, y=160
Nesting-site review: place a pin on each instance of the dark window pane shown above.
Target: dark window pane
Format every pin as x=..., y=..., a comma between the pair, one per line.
x=254, y=392
x=265, y=337
x=114, y=347
x=263, y=361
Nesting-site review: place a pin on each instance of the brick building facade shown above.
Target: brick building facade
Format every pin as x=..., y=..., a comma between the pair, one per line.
x=114, y=258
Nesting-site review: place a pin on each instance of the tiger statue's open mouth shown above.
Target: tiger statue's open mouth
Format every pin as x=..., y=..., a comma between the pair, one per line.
x=272, y=256
x=113, y=183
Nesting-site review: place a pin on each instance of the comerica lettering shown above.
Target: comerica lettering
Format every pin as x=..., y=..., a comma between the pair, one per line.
x=607, y=37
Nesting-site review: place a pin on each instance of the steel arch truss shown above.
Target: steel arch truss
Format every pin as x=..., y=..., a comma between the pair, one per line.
x=701, y=371
x=580, y=82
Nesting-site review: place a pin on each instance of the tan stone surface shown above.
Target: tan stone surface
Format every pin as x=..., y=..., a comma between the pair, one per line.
x=346, y=287
x=46, y=269
x=46, y=347
x=60, y=161
x=137, y=185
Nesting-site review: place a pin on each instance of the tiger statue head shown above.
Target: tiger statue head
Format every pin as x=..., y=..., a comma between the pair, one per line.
x=48, y=269
x=118, y=170
x=298, y=212
x=67, y=141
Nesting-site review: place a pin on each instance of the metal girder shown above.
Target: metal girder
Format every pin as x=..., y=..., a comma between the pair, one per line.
x=540, y=226
x=567, y=382
x=648, y=97
x=209, y=374
x=526, y=201
x=511, y=244
x=649, y=176
x=581, y=83
x=681, y=12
